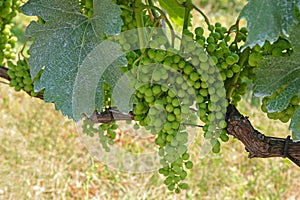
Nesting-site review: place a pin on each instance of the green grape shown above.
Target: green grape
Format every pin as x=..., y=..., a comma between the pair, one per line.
x=199, y=31
x=236, y=68
x=224, y=137
x=295, y=100
x=185, y=156
x=277, y=51
x=189, y=164
x=183, y=186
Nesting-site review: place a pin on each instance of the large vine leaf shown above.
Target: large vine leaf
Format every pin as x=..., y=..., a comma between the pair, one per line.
x=175, y=11
x=268, y=19
x=63, y=41
x=283, y=73
x=102, y=65
x=295, y=125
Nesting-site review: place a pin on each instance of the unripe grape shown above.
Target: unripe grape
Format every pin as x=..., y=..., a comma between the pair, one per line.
x=277, y=51
x=295, y=100
x=189, y=165
x=230, y=60
x=216, y=146
x=199, y=31
x=224, y=137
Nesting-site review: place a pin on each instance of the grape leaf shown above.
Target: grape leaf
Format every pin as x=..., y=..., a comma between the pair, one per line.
x=63, y=41
x=276, y=73
x=295, y=125
x=267, y=20
x=101, y=65
x=175, y=11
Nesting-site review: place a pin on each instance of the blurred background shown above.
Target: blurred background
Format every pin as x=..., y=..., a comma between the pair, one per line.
x=43, y=157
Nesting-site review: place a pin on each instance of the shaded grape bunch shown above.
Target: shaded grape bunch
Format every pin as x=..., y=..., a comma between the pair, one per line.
x=280, y=48
x=106, y=132
x=20, y=77
x=86, y=7
x=286, y=114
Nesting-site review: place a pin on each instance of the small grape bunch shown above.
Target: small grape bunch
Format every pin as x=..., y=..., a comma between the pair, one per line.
x=86, y=7
x=20, y=77
x=106, y=132
x=7, y=44
x=286, y=114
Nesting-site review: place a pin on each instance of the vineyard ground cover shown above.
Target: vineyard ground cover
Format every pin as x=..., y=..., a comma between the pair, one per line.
x=42, y=157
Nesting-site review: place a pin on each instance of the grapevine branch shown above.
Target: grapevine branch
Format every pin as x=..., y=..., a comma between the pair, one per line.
x=257, y=144
x=3, y=73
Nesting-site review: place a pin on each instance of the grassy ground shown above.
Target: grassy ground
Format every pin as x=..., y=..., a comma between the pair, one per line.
x=42, y=157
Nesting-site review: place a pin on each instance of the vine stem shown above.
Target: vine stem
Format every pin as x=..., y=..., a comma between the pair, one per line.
x=242, y=60
x=3, y=73
x=236, y=26
x=4, y=82
x=202, y=13
x=188, y=7
x=153, y=11
x=164, y=17
x=138, y=11
x=126, y=7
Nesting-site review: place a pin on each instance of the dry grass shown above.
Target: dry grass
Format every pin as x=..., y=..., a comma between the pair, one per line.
x=42, y=158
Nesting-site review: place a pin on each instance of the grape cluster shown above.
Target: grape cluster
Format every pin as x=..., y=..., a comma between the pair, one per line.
x=8, y=10
x=86, y=7
x=166, y=90
x=107, y=96
x=128, y=16
x=282, y=47
x=220, y=60
x=163, y=110
x=162, y=105
x=225, y=51
x=106, y=132
x=286, y=114
x=169, y=82
x=20, y=77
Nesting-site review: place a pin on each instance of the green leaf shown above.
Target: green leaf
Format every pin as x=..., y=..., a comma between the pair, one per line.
x=175, y=11
x=268, y=19
x=101, y=65
x=295, y=125
x=283, y=99
x=64, y=41
x=276, y=73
